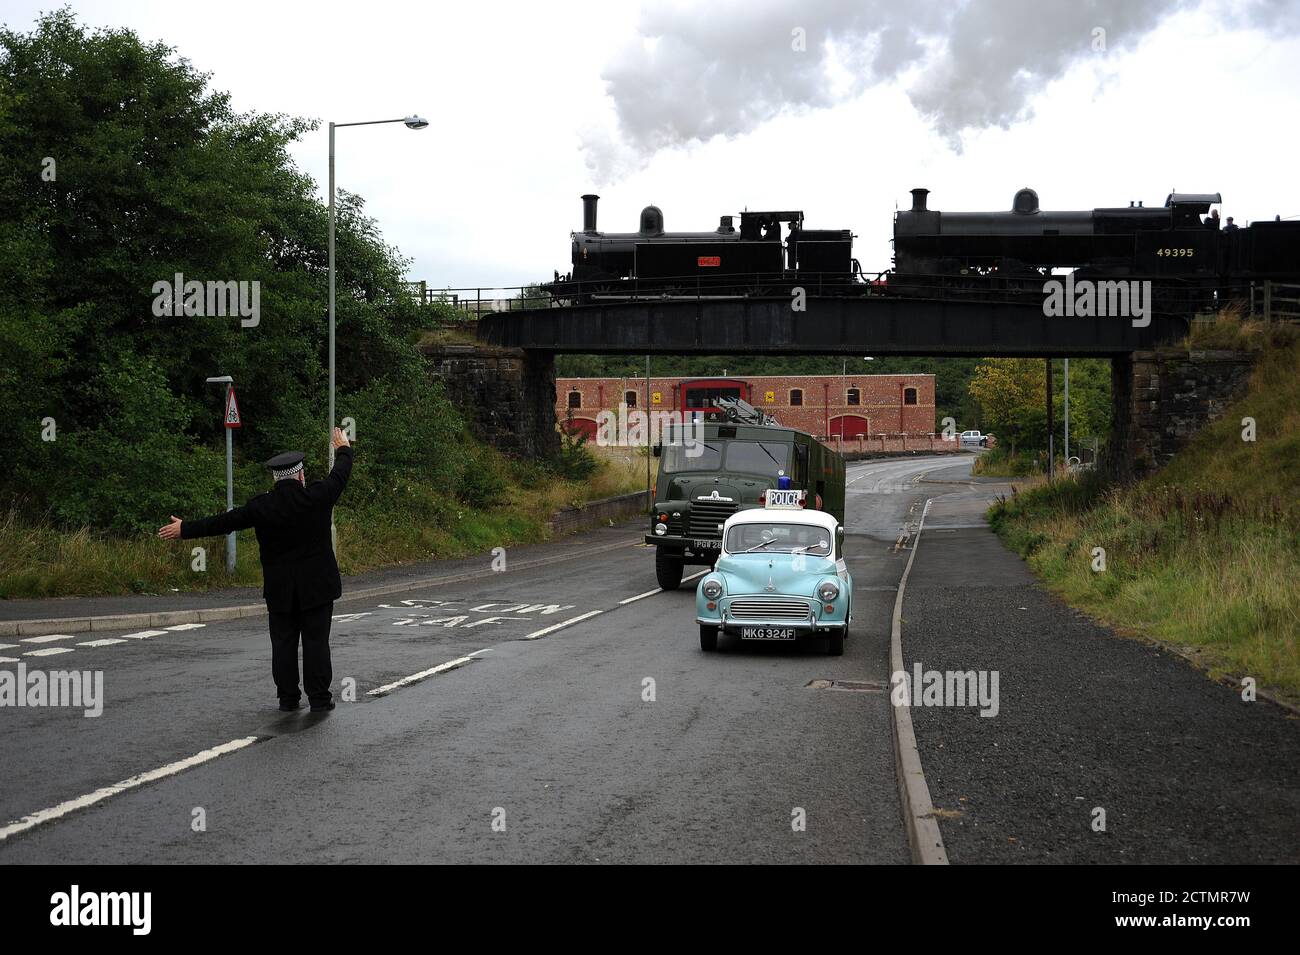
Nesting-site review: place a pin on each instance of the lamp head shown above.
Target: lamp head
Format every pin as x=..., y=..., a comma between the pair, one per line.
x=415, y=122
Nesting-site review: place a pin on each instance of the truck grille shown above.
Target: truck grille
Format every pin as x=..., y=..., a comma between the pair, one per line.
x=768, y=608
x=708, y=516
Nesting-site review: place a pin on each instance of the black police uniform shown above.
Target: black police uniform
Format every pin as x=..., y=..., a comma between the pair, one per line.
x=300, y=577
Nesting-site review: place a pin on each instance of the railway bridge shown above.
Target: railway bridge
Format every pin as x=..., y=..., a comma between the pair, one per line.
x=1161, y=394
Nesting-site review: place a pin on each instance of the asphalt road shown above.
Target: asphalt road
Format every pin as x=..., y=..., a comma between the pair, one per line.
x=587, y=726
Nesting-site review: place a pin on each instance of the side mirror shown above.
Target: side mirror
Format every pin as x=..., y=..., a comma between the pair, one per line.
x=801, y=452
x=657, y=450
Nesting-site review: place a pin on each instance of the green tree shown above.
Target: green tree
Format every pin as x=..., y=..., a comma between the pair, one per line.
x=120, y=168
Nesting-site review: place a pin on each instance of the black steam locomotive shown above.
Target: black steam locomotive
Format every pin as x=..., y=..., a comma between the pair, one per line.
x=752, y=260
x=1192, y=262
x=1180, y=247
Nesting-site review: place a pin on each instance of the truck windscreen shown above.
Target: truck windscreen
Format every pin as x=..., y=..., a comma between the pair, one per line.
x=746, y=457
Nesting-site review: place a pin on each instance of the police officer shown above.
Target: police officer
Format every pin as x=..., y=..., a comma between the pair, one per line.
x=300, y=577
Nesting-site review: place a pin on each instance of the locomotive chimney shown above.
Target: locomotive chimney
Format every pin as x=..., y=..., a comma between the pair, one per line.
x=589, y=212
x=918, y=199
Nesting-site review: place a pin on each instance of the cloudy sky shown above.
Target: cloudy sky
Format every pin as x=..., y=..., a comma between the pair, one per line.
x=834, y=107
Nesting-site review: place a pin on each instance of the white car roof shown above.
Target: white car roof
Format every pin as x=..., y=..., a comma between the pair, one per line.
x=783, y=515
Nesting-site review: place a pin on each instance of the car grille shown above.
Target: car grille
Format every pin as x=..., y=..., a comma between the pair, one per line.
x=706, y=516
x=768, y=608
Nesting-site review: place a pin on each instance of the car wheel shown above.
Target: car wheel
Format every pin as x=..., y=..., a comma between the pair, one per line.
x=835, y=644
x=708, y=638
x=668, y=570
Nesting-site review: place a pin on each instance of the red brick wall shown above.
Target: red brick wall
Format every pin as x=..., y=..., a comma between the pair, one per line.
x=825, y=401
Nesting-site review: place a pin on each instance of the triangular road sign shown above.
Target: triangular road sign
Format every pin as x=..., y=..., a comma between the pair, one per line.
x=232, y=410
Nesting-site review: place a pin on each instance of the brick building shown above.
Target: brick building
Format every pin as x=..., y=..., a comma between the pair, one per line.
x=823, y=405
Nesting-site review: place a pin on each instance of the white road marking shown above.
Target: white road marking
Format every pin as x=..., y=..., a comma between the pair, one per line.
x=47, y=652
x=46, y=639
x=186, y=626
x=562, y=624
x=350, y=616
x=657, y=590
x=648, y=593
x=106, y=642
x=99, y=795
x=8, y=659
x=425, y=674
x=8, y=646
x=143, y=634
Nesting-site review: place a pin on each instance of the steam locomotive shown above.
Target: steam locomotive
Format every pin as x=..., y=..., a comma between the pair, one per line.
x=1180, y=247
x=753, y=259
x=1192, y=263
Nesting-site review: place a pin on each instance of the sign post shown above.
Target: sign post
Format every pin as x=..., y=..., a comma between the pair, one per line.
x=232, y=421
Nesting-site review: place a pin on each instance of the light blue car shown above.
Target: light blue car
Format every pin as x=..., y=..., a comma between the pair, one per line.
x=781, y=576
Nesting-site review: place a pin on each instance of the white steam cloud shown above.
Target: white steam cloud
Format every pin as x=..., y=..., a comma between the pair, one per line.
x=699, y=70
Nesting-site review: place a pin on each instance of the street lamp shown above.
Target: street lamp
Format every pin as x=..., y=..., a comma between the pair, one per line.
x=411, y=122
x=230, y=471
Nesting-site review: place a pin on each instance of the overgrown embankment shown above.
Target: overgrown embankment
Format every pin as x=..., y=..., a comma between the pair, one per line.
x=1204, y=555
x=376, y=528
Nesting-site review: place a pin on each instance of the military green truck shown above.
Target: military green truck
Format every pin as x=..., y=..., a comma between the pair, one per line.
x=702, y=483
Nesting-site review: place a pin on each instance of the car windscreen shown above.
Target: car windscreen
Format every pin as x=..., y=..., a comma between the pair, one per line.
x=779, y=538
x=758, y=457
x=699, y=456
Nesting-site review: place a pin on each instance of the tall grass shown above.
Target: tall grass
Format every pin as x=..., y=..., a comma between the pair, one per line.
x=1204, y=555
x=40, y=559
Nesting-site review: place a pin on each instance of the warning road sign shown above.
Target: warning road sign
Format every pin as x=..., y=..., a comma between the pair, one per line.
x=232, y=410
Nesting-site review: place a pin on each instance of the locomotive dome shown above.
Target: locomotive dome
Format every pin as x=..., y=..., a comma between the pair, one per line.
x=652, y=221
x=1025, y=203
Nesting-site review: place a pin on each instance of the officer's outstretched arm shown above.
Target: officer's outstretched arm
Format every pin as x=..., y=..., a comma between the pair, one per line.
x=329, y=490
x=239, y=519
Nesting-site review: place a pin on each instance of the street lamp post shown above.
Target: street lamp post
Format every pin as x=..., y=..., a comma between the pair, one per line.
x=230, y=472
x=412, y=122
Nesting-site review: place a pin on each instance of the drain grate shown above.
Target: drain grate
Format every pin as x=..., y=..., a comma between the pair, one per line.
x=848, y=686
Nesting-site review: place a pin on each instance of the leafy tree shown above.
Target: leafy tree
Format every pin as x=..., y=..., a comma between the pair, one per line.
x=155, y=174
x=1012, y=394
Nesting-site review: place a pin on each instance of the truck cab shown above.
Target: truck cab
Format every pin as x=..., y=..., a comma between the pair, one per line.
x=730, y=468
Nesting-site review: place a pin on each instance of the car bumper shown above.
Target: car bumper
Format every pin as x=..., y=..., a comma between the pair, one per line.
x=808, y=626
x=690, y=546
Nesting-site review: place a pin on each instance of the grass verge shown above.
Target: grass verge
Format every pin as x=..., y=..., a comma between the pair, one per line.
x=1204, y=556
x=38, y=559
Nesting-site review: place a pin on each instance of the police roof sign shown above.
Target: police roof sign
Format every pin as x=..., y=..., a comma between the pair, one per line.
x=232, y=410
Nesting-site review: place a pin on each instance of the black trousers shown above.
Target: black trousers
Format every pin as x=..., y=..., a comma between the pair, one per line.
x=313, y=625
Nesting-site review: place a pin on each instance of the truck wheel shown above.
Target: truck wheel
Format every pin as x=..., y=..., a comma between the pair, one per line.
x=708, y=638
x=835, y=644
x=668, y=570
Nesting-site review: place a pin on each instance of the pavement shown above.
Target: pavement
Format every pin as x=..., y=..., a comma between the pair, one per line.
x=561, y=711
x=1184, y=769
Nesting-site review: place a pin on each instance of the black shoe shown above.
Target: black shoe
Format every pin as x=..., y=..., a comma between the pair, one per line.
x=289, y=707
x=322, y=707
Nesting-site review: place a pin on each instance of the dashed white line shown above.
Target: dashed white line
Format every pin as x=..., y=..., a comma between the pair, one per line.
x=106, y=642
x=657, y=590
x=648, y=593
x=143, y=634
x=9, y=660
x=425, y=674
x=99, y=795
x=562, y=624
x=186, y=626
x=47, y=652
x=48, y=638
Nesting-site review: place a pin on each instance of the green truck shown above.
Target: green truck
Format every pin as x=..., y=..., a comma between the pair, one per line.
x=702, y=483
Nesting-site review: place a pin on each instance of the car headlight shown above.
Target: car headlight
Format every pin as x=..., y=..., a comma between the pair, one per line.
x=661, y=529
x=711, y=589
x=828, y=590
